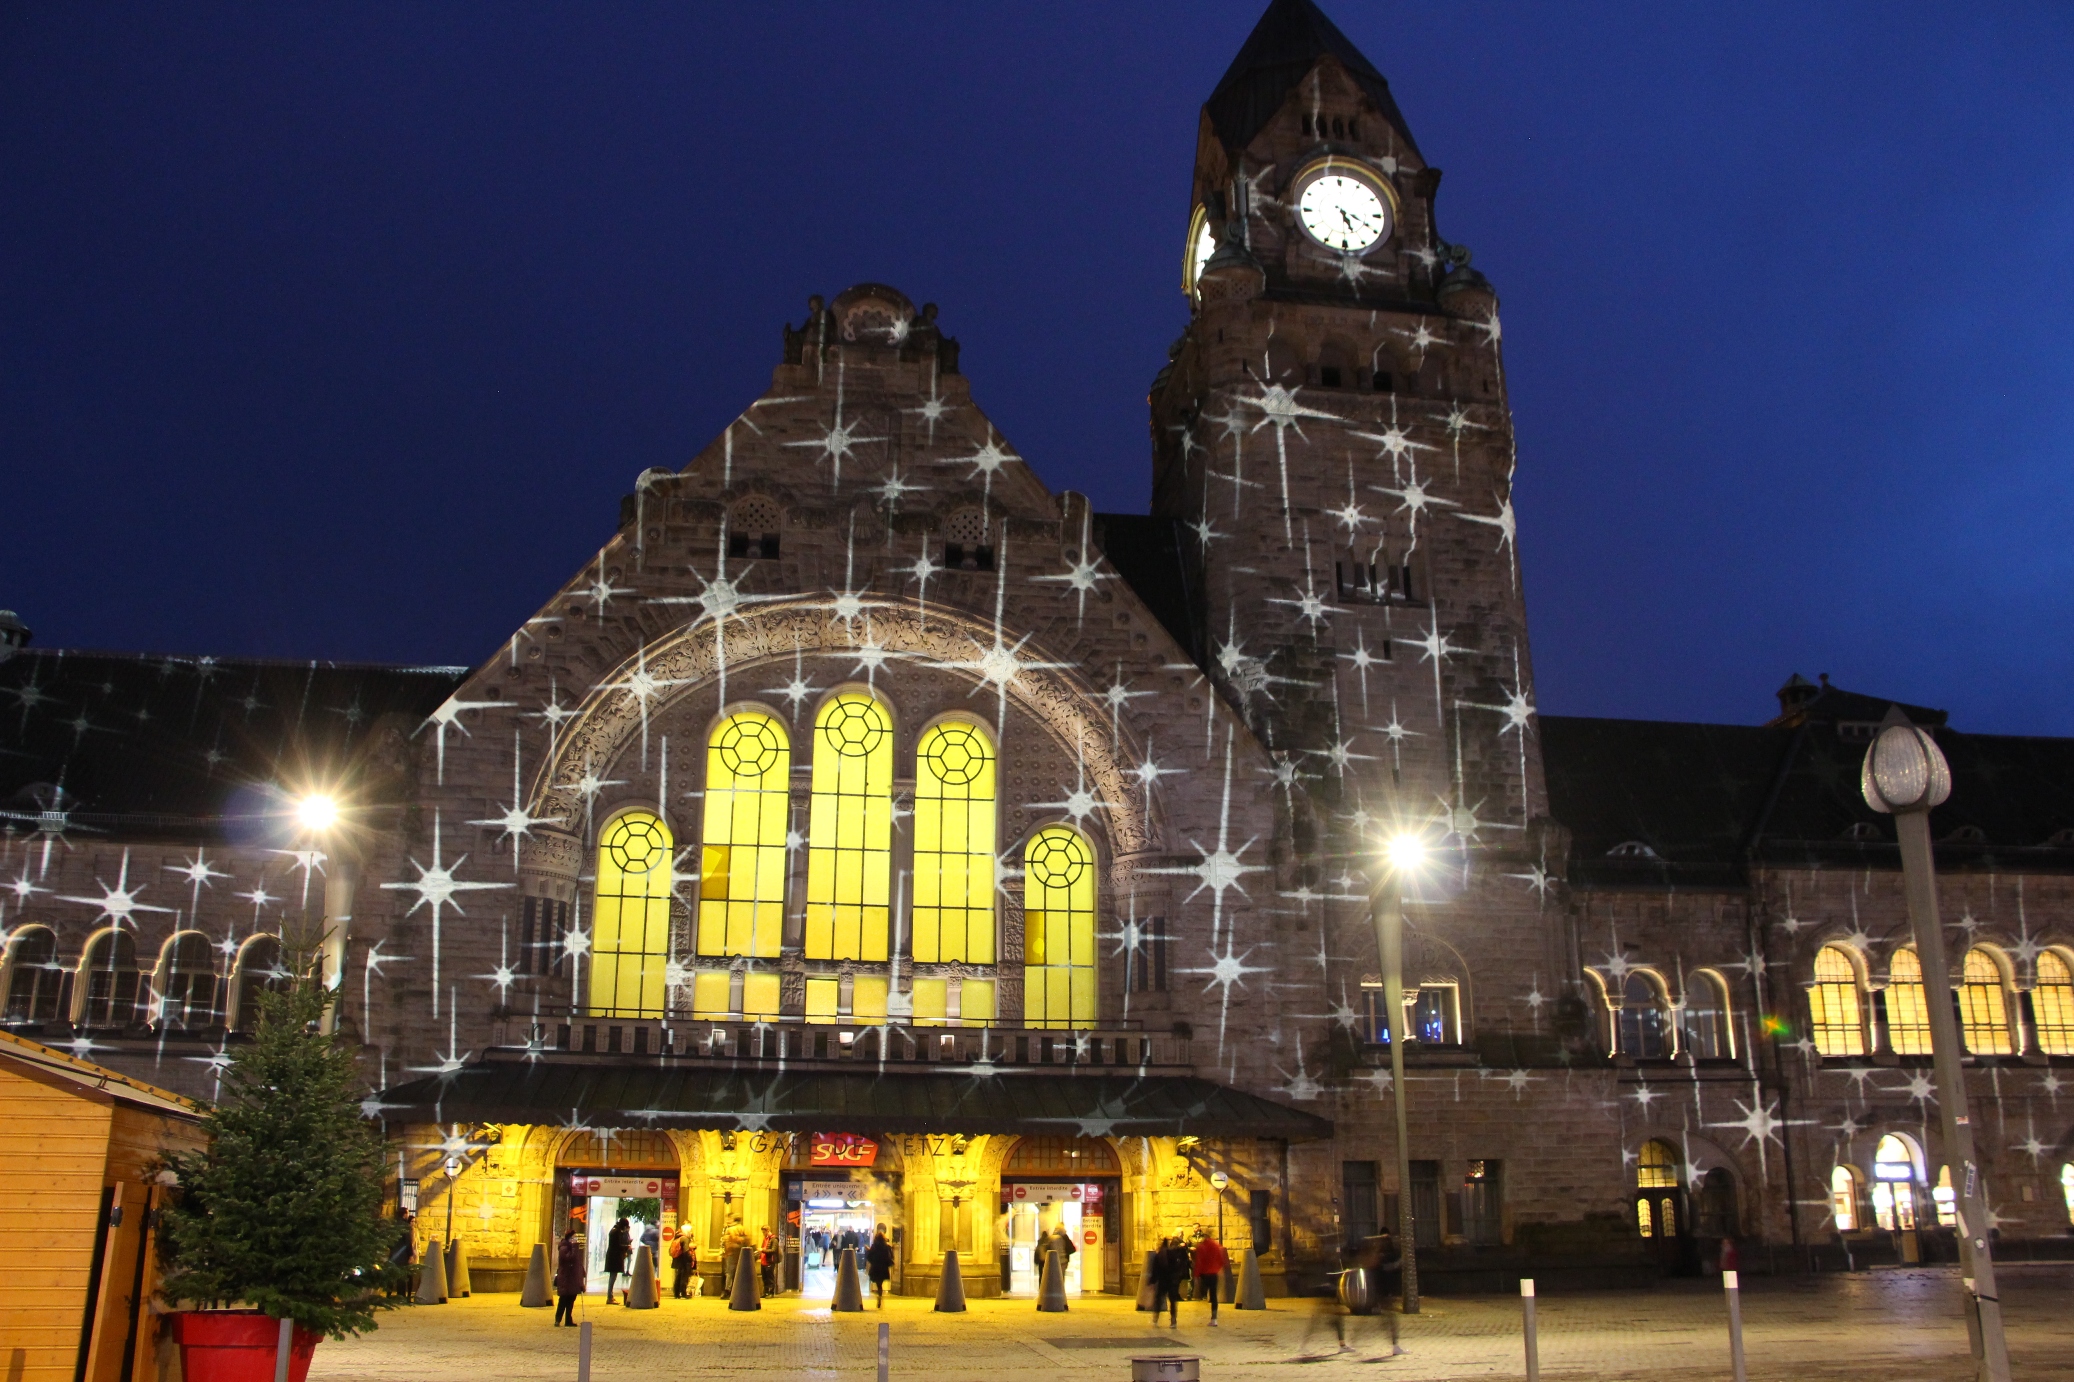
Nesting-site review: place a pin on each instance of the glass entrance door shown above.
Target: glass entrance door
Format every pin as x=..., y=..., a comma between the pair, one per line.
x=825, y=1228
x=1028, y=1224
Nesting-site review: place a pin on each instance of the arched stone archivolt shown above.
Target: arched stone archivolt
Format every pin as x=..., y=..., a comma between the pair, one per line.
x=712, y=654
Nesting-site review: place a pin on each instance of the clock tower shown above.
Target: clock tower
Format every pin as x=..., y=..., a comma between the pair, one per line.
x=1332, y=437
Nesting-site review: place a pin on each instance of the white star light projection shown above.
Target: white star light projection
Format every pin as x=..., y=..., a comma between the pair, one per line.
x=436, y=887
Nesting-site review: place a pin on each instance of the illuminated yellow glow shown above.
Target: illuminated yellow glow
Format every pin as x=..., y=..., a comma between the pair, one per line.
x=930, y=998
x=821, y=999
x=2052, y=1002
x=1908, y=1011
x=631, y=917
x=976, y=1002
x=1835, y=1009
x=1058, y=929
x=1984, y=1007
x=709, y=994
x=316, y=813
x=954, y=845
x=850, y=831
x=1407, y=853
x=759, y=995
x=742, y=865
x=868, y=998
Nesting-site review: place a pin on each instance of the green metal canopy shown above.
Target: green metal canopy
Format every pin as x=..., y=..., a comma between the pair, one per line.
x=514, y=1089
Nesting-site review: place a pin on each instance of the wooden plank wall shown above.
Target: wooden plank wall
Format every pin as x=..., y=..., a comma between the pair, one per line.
x=54, y=1138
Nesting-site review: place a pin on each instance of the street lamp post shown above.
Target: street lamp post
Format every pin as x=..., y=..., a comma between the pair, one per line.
x=453, y=1170
x=1905, y=774
x=1386, y=912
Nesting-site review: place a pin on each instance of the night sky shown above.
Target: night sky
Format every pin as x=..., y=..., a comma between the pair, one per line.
x=339, y=332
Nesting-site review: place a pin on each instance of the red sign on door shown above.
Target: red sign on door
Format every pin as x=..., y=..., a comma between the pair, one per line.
x=842, y=1149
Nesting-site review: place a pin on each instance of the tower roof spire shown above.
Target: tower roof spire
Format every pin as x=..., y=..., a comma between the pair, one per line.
x=1280, y=52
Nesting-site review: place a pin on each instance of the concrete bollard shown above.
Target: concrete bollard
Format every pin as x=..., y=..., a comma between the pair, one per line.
x=536, y=1293
x=457, y=1270
x=746, y=1294
x=432, y=1277
x=1051, y=1296
x=1148, y=1288
x=849, y=1291
x=1732, y=1288
x=950, y=1288
x=1252, y=1290
x=583, y=1352
x=641, y=1292
x=1526, y=1303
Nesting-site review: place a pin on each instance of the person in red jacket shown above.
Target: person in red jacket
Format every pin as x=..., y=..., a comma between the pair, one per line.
x=1209, y=1272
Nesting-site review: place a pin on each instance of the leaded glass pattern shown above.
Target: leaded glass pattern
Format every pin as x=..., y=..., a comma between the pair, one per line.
x=954, y=845
x=742, y=862
x=1058, y=929
x=1836, y=1007
x=850, y=831
x=631, y=921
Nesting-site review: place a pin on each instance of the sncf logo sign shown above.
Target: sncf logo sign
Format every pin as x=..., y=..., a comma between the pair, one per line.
x=843, y=1149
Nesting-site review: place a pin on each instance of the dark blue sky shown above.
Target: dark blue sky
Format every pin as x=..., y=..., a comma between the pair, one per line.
x=339, y=332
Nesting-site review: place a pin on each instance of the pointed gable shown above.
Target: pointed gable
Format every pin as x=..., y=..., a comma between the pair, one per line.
x=1290, y=39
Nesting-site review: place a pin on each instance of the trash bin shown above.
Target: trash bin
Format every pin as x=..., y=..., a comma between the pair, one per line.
x=1166, y=1367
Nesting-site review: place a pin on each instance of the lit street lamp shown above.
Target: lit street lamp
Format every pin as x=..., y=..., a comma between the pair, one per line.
x=1905, y=775
x=318, y=819
x=453, y=1169
x=1404, y=854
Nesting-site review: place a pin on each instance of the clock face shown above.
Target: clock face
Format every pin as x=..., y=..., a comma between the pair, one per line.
x=1343, y=212
x=1201, y=245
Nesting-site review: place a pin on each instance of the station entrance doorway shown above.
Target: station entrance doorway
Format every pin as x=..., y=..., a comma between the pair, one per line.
x=599, y=1199
x=1051, y=1185
x=831, y=1218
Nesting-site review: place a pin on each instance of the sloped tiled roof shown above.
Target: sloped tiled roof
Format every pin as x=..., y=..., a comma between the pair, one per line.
x=150, y=746
x=1284, y=46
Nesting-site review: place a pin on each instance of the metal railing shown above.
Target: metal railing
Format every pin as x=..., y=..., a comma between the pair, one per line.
x=796, y=1042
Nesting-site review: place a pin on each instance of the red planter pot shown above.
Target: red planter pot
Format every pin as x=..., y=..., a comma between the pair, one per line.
x=238, y=1346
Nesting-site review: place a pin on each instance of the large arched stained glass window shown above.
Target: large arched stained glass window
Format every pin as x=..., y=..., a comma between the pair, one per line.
x=1908, y=1011
x=2052, y=1003
x=630, y=940
x=954, y=845
x=1836, y=1008
x=850, y=831
x=742, y=864
x=1058, y=929
x=1984, y=1006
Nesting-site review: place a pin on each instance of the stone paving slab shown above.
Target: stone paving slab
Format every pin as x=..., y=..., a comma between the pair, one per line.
x=1874, y=1327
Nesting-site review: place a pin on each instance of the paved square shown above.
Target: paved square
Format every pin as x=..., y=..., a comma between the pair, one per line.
x=1883, y=1325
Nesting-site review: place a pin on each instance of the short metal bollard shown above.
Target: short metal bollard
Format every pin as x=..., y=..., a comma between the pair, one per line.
x=583, y=1352
x=885, y=1348
x=284, y=1349
x=1526, y=1302
x=1734, y=1292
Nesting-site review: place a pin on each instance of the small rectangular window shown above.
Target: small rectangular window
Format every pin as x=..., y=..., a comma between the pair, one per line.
x=1261, y=1216
x=1360, y=1212
x=1483, y=1202
x=1328, y=376
x=962, y=556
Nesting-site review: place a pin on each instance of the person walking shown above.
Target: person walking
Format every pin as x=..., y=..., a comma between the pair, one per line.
x=569, y=1275
x=1170, y=1267
x=1061, y=1242
x=767, y=1260
x=731, y=1256
x=878, y=1265
x=617, y=1243
x=1209, y=1272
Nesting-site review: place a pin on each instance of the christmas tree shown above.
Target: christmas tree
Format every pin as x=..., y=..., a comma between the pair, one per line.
x=282, y=1211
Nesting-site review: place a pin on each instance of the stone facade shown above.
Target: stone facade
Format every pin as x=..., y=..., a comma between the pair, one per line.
x=1316, y=640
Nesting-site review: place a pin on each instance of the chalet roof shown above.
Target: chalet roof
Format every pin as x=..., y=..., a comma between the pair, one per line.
x=50, y=1063
x=148, y=745
x=1656, y=804
x=1290, y=39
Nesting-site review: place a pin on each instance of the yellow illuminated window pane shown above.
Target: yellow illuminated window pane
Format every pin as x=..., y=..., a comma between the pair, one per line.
x=954, y=845
x=630, y=939
x=850, y=831
x=1835, y=1007
x=759, y=995
x=1843, y=1199
x=1908, y=1012
x=1984, y=1007
x=868, y=998
x=976, y=1002
x=821, y=999
x=2052, y=1003
x=709, y=989
x=1642, y=1219
x=1058, y=929
x=1657, y=1168
x=742, y=864
x=929, y=998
